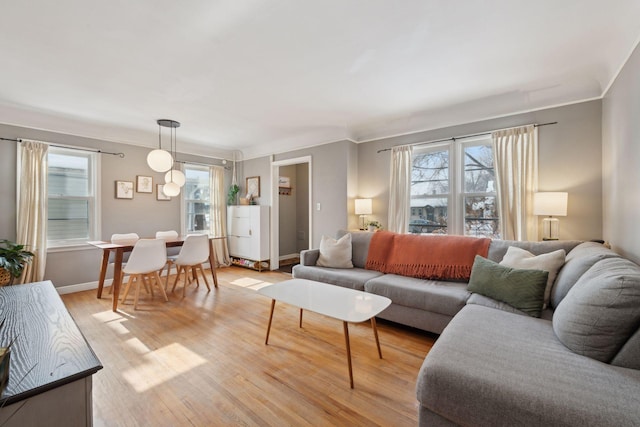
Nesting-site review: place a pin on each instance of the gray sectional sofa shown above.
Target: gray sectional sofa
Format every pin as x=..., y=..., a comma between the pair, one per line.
x=492, y=365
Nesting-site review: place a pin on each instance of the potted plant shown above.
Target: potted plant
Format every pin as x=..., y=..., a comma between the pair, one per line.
x=374, y=226
x=233, y=192
x=13, y=258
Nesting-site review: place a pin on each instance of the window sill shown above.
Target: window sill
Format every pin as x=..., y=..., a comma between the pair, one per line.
x=69, y=248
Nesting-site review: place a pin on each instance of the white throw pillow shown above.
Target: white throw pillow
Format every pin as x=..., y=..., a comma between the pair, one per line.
x=335, y=253
x=550, y=262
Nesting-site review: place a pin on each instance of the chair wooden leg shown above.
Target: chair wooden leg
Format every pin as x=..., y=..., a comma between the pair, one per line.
x=204, y=277
x=126, y=289
x=195, y=275
x=147, y=284
x=159, y=283
x=135, y=300
x=175, y=282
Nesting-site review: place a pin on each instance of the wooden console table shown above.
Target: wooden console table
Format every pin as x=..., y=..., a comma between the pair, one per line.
x=51, y=361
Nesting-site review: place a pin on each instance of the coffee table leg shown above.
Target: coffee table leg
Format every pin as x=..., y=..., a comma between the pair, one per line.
x=375, y=333
x=273, y=304
x=301, y=318
x=346, y=338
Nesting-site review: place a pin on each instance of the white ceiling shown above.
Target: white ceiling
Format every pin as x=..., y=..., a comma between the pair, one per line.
x=269, y=76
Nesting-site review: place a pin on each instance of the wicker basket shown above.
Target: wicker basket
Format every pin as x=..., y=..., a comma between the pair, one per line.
x=5, y=277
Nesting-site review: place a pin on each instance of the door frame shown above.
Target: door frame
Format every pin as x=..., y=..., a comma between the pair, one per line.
x=275, y=206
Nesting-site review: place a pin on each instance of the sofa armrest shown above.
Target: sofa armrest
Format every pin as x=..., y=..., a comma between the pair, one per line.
x=309, y=257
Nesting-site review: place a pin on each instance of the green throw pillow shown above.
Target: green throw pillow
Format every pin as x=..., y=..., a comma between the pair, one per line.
x=522, y=289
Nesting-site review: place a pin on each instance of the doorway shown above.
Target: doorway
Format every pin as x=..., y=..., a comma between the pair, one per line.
x=291, y=213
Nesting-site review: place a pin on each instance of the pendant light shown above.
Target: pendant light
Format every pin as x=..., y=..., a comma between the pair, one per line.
x=161, y=160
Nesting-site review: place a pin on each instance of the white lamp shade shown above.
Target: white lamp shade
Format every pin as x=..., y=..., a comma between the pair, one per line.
x=176, y=176
x=171, y=189
x=159, y=160
x=550, y=204
x=363, y=207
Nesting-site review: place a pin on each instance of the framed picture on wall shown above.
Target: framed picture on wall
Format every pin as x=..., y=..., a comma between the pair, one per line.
x=124, y=190
x=144, y=184
x=253, y=186
x=160, y=193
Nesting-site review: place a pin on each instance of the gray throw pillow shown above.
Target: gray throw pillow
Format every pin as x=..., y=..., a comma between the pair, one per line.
x=600, y=312
x=522, y=289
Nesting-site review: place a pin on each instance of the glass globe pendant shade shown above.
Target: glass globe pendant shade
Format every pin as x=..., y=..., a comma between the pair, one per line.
x=171, y=189
x=175, y=176
x=159, y=160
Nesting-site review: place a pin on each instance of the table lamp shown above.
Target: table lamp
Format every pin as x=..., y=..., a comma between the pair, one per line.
x=550, y=204
x=363, y=208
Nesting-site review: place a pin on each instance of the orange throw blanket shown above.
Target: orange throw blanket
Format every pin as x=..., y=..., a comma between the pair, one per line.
x=425, y=256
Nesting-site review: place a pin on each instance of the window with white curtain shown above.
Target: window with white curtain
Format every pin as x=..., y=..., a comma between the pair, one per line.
x=453, y=189
x=72, y=216
x=197, y=199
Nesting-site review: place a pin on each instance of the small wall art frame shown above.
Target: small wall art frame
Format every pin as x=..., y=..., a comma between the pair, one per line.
x=124, y=190
x=253, y=186
x=144, y=184
x=160, y=193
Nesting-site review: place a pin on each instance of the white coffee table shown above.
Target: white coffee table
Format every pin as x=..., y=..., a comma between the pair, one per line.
x=340, y=303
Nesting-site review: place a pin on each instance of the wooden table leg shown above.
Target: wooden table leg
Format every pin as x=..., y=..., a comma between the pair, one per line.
x=301, y=318
x=375, y=333
x=273, y=304
x=212, y=263
x=117, y=276
x=103, y=270
x=346, y=338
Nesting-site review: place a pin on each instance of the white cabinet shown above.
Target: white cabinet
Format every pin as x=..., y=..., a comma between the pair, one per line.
x=248, y=232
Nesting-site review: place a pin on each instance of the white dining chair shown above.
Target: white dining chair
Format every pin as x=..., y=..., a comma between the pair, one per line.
x=121, y=239
x=147, y=259
x=172, y=253
x=194, y=252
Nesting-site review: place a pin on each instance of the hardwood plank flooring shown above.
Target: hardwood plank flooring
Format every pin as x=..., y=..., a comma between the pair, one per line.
x=202, y=361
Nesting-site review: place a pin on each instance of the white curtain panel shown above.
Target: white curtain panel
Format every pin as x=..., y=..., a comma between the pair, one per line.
x=32, y=207
x=516, y=167
x=219, y=215
x=400, y=189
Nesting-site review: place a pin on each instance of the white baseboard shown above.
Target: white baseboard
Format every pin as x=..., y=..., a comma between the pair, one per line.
x=69, y=289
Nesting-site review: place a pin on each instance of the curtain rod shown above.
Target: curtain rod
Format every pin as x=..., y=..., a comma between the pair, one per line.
x=453, y=138
x=224, y=165
x=121, y=155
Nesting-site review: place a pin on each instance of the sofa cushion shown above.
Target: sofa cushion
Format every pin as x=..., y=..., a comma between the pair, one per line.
x=498, y=248
x=493, y=368
x=335, y=253
x=360, y=241
x=353, y=278
x=629, y=355
x=432, y=295
x=601, y=312
x=550, y=262
x=578, y=261
x=522, y=289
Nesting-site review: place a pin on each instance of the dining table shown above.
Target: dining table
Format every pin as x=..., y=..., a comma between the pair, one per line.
x=120, y=249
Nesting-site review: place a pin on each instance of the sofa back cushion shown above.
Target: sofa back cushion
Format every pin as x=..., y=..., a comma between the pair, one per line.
x=601, y=311
x=577, y=262
x=498, y=248
x=629, y=355
x=359, y=246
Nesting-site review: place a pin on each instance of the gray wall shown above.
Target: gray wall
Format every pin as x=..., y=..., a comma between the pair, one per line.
x=302, y=206
x=143, y=215
x=288, y=213
x=569, y=160
x=621, y=160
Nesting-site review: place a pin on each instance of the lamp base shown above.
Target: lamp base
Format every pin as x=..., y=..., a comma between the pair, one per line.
x=550, y=228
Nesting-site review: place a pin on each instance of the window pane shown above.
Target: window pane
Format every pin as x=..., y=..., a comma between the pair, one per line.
x=430, y=173
x=430, y=216
x=196, y=196
x=68, y=175
x=197, y=216
x=68, y=219
x=478, y=169
x=481, y=217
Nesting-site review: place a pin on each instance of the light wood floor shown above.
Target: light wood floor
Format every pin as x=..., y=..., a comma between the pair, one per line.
x=201, y=361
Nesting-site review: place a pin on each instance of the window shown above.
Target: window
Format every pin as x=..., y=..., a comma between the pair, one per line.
x=453, y=190
x=197, y=199
x=72, y=215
